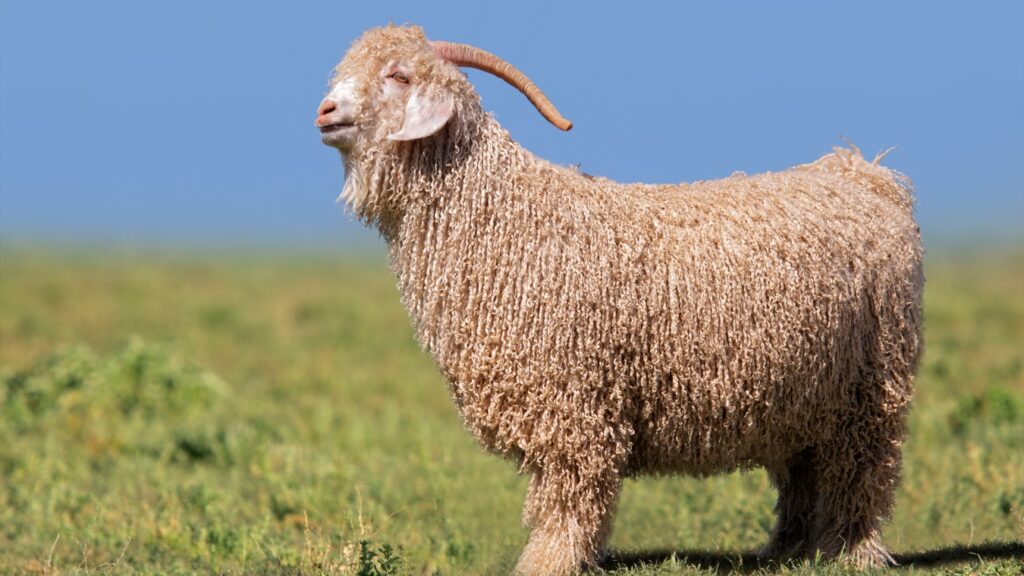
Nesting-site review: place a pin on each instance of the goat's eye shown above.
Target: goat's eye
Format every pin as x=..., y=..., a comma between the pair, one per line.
x=399, y=77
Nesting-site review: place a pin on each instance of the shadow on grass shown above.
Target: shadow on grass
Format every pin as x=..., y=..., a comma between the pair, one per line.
x=747, y=562
x=962, y=553
x=723, y=562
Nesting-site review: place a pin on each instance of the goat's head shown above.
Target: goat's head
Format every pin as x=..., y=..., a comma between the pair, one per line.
x=394, y=84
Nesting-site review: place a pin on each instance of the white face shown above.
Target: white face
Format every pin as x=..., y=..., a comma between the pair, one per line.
x=395, y=97
x=336, y=115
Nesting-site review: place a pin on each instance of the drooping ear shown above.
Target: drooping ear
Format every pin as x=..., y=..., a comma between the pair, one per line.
x=425, y=114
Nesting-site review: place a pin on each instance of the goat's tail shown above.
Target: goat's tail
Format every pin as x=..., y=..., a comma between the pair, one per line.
x=850, y=164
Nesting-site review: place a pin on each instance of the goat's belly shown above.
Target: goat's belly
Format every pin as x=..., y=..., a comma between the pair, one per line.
x=701, y=435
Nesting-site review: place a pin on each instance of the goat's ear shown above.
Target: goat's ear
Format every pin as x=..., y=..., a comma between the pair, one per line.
x=425, y=114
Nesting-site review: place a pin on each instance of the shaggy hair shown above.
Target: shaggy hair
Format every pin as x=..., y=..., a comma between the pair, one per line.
x=591, y=330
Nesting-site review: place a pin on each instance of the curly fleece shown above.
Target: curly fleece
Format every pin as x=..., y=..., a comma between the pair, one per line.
x=592, y=330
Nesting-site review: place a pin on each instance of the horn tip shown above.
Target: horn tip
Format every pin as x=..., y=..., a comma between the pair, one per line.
x=565, y=125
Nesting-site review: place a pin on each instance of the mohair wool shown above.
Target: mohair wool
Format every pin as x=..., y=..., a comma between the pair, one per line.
x=591, y=330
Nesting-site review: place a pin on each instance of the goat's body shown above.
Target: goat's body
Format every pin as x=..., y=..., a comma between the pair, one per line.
x=612, y=329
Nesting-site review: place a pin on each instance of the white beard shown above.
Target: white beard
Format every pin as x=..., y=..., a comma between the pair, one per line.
x=353, y=193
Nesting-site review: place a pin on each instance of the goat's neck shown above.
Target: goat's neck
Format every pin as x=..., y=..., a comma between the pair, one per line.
x=445, y=212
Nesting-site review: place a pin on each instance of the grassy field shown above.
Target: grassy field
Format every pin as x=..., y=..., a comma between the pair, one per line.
x=273, y=415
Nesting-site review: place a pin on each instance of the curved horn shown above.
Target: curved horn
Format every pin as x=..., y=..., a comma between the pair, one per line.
x=473, y=57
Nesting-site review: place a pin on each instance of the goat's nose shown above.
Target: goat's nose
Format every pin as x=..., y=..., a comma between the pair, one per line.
x=326, y=107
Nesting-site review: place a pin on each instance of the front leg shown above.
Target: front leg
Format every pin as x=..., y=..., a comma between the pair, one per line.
x=569, y=509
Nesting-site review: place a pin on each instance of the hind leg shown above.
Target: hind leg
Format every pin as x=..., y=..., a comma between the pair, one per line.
x=858, y=471
x=796, y=483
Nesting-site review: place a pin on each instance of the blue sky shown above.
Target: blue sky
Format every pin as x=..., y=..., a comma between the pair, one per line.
x=190, y=123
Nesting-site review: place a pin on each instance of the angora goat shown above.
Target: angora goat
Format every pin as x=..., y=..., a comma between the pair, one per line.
x=591, y=330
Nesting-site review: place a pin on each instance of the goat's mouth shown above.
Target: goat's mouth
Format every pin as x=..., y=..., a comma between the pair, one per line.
x=329, y=128
x=338, y=133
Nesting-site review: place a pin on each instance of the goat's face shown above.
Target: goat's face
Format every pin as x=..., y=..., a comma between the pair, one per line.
x=389, y=87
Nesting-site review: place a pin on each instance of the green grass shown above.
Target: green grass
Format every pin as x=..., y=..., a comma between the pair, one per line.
x=272, y=415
